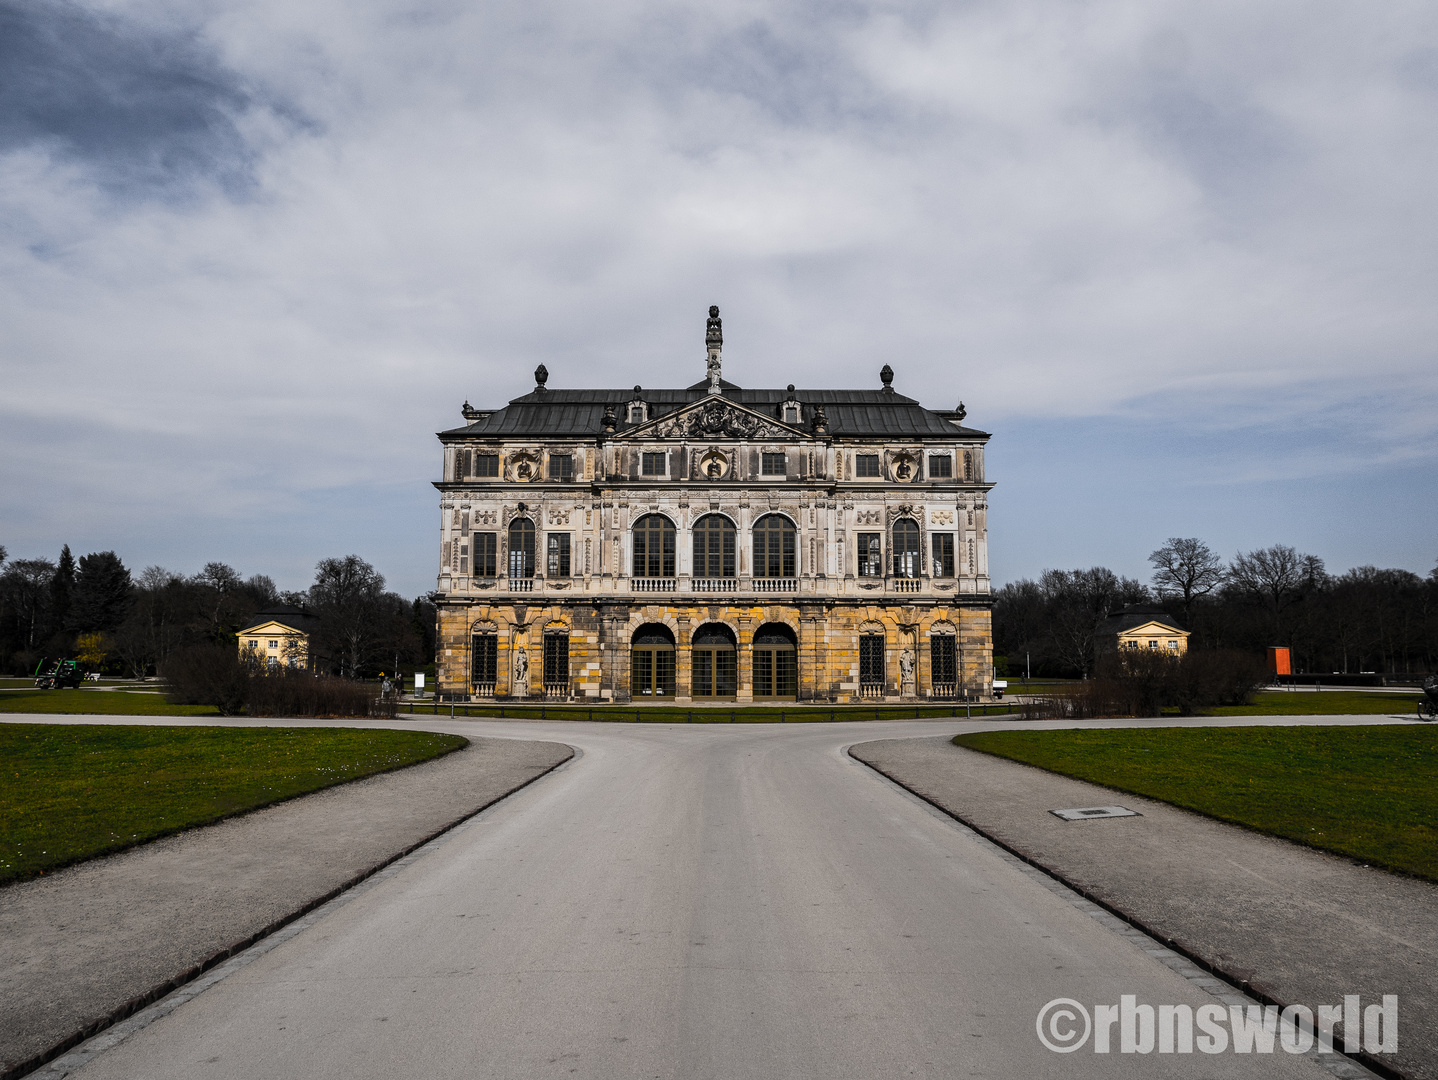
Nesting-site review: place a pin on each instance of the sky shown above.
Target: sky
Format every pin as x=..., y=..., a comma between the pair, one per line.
x=1181, y=260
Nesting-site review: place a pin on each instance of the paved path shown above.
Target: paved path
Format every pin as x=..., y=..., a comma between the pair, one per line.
x=708, y=901
x=79, y=944
x=1301, y=926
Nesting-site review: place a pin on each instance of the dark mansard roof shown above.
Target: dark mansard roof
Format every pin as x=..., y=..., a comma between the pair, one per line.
x=880, y=413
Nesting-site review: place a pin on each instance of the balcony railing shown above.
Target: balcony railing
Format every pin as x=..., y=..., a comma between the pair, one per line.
x=904, y=585
x=720, y=584
x=776, y=584
x=484, y=689
x=556, y=689
x=521, y=584
x=945, y=691
x=653, y=584
x=871, y=690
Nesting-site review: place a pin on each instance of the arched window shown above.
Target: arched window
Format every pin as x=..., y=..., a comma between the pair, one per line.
x=651, y=662
x=654, y=547
x=774, y=547
x=714, y=547
x=905, y=547
x=521, y=548
x=716, y=662
x=776, y=668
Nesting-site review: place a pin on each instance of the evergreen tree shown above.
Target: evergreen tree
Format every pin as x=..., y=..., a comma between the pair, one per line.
x=62, y=585
x=101, y=596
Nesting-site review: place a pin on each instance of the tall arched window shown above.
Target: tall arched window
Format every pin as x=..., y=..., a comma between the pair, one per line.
x=651, y=662
x=774, y=547
x=654, y=547
x=776, y=670
x=715, y=664
x=521, y=548
x=905, y=547
x=714, y=547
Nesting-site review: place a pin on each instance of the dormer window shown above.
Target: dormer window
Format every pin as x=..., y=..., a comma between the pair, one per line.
x=791, y=412
x=637, y=411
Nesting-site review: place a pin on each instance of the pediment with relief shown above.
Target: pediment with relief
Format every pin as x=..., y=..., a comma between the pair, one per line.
x=715, y=418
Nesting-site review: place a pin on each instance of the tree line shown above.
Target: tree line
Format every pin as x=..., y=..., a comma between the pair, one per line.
x=1365, y=620
x=94, y=610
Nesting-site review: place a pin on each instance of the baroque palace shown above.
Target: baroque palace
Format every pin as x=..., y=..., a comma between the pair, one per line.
x=714, y=543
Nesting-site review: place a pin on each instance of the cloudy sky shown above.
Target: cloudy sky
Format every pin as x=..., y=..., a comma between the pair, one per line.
x=1179, y=258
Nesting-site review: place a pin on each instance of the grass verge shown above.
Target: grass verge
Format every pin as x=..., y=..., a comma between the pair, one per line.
x=706, y=714
x=73, y=792
x=1364, y=792
x=1322, y=703
x=97, y=702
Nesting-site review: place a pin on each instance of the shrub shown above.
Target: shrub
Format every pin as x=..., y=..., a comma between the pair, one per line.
x=206, y=675
x=213, y=675
x=1145, y=682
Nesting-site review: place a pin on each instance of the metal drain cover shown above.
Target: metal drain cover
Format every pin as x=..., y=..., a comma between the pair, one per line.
x=1087, y=813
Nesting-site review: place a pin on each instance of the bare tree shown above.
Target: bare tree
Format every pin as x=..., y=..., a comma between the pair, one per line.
x=346, y=596
x=26, y=585
x=1279, y=576
x=1188, y=567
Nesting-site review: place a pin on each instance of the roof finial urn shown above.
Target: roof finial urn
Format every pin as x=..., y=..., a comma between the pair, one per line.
x=886, y=375
x=541, y=376
x=714, y=342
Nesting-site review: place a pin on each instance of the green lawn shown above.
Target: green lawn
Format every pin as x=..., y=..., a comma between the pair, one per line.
x=705, y=714
x=99, y=702
x=1323, y=703
x=1366, y=792
x=72, y=792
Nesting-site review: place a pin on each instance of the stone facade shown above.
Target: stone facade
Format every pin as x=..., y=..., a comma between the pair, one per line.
x=714, y=543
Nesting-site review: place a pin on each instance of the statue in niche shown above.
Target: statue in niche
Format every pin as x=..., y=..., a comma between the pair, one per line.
x=906, y=670
x=521, y=673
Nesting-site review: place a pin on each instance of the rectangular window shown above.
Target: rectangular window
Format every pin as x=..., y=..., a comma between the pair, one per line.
x=484, y=649
x=871, y=660
x=558, y=560
x=866, y=464
x=943, y=658
x=940, y=465
x=486, y=555
x=791, y=414
x=556, y=658
x=771, y=464
x=944, y=553
x=464, y=558
x=871, y=563
x=561, y=466
x=486, y=464
x=652, y=464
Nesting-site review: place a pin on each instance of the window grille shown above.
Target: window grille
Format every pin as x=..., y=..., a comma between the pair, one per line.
x=871, y=660
x=944, y=659
x=556, y=658
x=484, y=651
x=866, y=464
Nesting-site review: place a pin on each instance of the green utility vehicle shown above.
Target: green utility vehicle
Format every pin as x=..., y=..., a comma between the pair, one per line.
x=61, y=675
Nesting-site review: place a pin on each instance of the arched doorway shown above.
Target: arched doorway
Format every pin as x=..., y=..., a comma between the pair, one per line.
x=776, y=662
x=521, y=548
x=905, y=548
x=714, y=547
x=715, y=662
x=654, y=547
x=775, y=547
x=651, y=662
